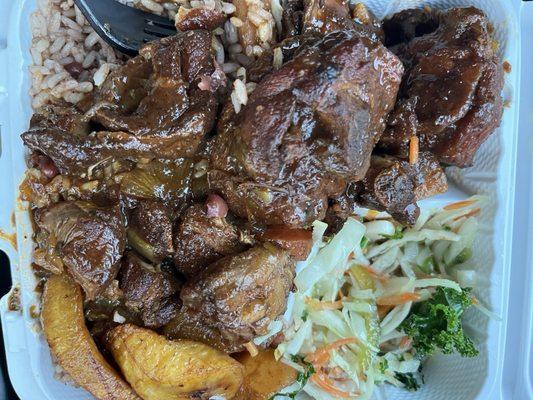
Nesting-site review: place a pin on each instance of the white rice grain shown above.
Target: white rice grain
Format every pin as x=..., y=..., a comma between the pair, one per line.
x=91, y=40
x=64, y=87
x=262, y=12
x=237, y=22
x=153, y=6
x=255, y=18
x=108, y=52
x=265, y=32
x=70, y=24
x=66, y=60
x=278, y=58
x=228, y=8
x=241, y=94
x=39, y=25
x=235, y=102
x=257, y=50
x=250, y=87
x=70, y=13
x=51, y=81
x=210, y=4
x=67, y=49
x=58, y=68
x=65, y=5
x=37, y=50
x=197, y=3
x=40, y=100
x=249, y=50
x=55, y=22
x=35, y=69
x=80, y=18
x=235, y=48
x=171, y=7
x=231, y=32
x=89, y=59
x=277, y=13
x=243, y=59
x=74, y=34
x=101, y=74
x=230, y=67
x=85, y=87
x=73, y=97
x=118, y=318
x=57, y=44
x=219, y=50
x=241, y=74
x=44, y=7
x=50, y=64
x=78, y=55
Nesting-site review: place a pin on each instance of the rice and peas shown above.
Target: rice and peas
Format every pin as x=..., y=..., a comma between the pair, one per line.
x=356, y=289
x=70, y=59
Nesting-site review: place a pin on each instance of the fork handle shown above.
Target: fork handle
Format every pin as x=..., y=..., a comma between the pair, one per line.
x=103, y=30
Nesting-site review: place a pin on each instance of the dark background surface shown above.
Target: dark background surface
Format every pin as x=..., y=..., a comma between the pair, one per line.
x=6, y=390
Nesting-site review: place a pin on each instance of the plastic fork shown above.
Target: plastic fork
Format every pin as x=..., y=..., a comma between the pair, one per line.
x=123, y=27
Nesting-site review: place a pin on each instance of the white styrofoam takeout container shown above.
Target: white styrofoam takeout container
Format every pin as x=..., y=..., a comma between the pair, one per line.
x=503, y=370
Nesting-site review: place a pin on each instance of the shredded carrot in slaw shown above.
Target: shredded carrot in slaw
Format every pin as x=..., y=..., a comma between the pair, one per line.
x=322, y=381
x=405, y=342
x=472, y=213
x=318, y=305
x=321, y=355
x=397, y=299
x=374, y=274
x=459, y=204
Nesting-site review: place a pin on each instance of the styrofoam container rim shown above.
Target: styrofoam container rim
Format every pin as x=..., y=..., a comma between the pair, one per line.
x=29, y=364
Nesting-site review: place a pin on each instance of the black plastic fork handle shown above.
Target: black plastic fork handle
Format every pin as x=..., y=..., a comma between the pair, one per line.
x=122, y=45
x=125, y=28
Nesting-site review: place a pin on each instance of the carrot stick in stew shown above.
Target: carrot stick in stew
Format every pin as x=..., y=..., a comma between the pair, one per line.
x=413, y=150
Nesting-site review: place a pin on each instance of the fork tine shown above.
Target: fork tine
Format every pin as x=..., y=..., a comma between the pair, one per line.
x=123, y=27
x=158, y=31
x=160, y=21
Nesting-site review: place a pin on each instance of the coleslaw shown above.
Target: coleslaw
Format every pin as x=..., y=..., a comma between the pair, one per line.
x=373, y=301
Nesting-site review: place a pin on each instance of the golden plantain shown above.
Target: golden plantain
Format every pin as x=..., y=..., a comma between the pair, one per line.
x=72, y=345
x=158, y=368
x=263, y=375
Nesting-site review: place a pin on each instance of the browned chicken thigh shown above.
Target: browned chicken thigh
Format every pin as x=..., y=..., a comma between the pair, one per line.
x=201, y=240
x=148, y=291
x=83, y=239
x=151, y=107
x=451, y=95
x=393, y=185
x=307, y=130
x=236, y=298
x=150, y=231
x=325, y=16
